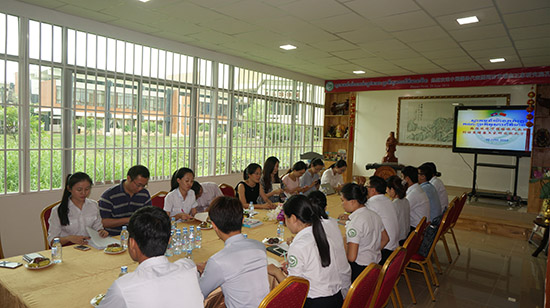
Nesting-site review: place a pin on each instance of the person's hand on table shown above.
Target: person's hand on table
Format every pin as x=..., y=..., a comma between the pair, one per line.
x=284, y=267
x=276, y=272
x=183, y=216
x=343, y=216
x=289, y=240
x=201, y=266
x=78, y=239
x=103, y=233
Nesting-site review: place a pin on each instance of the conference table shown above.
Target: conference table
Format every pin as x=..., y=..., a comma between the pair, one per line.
x=84, y=274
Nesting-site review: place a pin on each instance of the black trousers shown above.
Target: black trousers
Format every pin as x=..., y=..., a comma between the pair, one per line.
x=356, y=270
x=334, y=301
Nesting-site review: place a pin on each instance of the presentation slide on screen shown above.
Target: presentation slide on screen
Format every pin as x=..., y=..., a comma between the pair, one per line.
x=493, y=130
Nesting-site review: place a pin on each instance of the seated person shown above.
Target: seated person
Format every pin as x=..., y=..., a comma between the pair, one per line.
x=291, y=180
x=311, y=177
x=249, y=190
x=396, y=191
x=69, y=219
x=310, y=255
x=270, y=176
x=333, y=175
x=180, y=202
x=438, y=184
x=119, y=202
x=418, y=201
x=382, y=205
x=429, y=189
x=205, y=192
x=240, y=268
x=365, y=231
x=156, y=280
x=319, y=202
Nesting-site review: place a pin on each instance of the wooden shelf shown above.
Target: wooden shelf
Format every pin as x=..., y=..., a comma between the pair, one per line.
x=334, y=138
x=337, y=115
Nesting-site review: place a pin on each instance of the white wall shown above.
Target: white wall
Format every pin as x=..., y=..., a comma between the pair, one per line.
x=20, y=227
x=377, y=116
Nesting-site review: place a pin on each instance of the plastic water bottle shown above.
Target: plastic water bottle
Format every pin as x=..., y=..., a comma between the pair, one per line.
x=178, y=243
x=169, y=249
x=281, y=230
x=251, y=209
x=189, y=254
x=173, y=223
x=124, y=237
x=123, y=271
x=191, y=238
x=198, y=237
x=57, y=253
x=184, y=240
x=245, y=235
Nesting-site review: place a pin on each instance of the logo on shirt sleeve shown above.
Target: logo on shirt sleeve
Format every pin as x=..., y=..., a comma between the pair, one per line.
x=352, y=233
x=292, y=261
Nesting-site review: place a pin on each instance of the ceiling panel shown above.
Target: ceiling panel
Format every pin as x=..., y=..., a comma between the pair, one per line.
x=421, y=34
x=311, y=10
x=478, y=33
x=528, y=18
x=512, y=6
x=403, y=22
x=447, y=7
x=373, y=9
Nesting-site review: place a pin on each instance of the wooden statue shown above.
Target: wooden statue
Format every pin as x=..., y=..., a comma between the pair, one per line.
x=391, y=144
x=340, y=108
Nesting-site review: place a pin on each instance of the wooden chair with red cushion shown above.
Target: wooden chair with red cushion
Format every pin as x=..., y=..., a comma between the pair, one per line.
x=157, y=200
x=362, y=289
x=1, y=251
x=388, y=278
x=227, y=190
x=44, y=216
x=424, y=263
x=452, y=209
x=411, y=244
x=459, y=207
x=290, y=293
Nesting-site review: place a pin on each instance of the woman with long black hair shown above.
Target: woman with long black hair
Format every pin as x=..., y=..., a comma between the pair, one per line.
x=69, y=219
x=333, y=175
x=270, y=176
x=181, y=202
x=310, y=255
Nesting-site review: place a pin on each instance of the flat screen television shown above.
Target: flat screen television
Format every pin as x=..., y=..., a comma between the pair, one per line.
x=496, y=130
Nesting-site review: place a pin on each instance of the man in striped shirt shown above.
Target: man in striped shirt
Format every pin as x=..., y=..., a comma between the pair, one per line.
x=119, y=202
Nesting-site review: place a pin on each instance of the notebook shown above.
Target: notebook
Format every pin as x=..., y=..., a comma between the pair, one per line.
x=327, y=189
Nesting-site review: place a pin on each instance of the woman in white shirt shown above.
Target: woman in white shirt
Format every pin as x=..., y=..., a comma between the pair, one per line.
x=397, y=192
x=333, y=175
x=180, y=202
x=310, y=255
x=69, y=219
x=291, y=180
x=311, y=177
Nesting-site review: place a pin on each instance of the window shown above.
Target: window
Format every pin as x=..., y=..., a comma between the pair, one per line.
x=111, y=104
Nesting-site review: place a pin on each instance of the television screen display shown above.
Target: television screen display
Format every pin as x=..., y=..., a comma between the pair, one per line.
x=499, y=130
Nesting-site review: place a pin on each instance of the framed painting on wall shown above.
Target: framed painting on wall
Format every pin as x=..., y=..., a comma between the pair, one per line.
x=428, y=120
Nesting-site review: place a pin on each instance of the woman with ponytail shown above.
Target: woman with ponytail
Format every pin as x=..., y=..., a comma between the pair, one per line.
x=310, y=256
x=310, y=181
x=365, y=233
x=333, y=175
x=180, y=202
x=397, y=192
x=75, y=212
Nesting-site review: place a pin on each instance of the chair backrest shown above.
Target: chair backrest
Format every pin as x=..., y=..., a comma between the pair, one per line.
x=413, y=242
x=1, y=251
x=157, y=200
x=445, y=222
x=452, y=213
x=389, y=276
x=290, y=293
x=227, y=190
x=362, y=289
x=459, y=206
x=44, y=216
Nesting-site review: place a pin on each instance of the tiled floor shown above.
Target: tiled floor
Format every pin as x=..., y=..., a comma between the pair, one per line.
x=491, y=271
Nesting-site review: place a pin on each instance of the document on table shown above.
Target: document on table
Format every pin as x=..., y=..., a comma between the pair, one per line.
x=97, y=241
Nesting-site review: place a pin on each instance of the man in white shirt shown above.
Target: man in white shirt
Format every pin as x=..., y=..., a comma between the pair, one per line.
x=333, y=175
x=240, y=268
x=156, y=280
x=205, y=193
x=418, y=201
x=431, y=192
x=382, y=205
x=439, y=186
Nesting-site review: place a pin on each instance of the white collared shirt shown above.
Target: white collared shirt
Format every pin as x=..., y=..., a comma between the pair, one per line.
x=403, y=211
x=365, y=229
x=175, y=203
x=304, y=261
x=154, y=284
x=78, y=220
x=240, y=268
x=336, y=243
x=381, y=205
x=210, y=191
x=329, y=177
x=419, y=204
x=441, y=191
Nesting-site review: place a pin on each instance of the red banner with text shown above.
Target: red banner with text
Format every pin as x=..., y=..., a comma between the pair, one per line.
x=516, y=76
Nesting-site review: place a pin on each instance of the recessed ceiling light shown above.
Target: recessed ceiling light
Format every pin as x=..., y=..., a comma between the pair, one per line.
x=287, y=47
x=467, y=20
x=358, y=72
x=495, y=60
x=144, y=0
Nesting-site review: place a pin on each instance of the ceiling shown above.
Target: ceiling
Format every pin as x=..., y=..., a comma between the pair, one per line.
x=336, y=37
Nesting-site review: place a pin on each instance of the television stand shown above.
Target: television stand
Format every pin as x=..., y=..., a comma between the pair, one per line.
x=513, y=200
